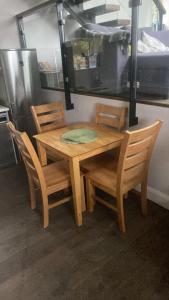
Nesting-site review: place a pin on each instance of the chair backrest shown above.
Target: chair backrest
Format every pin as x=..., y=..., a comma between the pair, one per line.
x=48, y=116
x=135, y=156
x=112, y=116
x=29, y=156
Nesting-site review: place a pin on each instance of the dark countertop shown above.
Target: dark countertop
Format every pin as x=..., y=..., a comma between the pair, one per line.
x=162, y=102
x=156, y=102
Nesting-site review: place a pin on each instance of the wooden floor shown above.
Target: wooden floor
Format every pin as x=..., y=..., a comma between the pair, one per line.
x=88, y=263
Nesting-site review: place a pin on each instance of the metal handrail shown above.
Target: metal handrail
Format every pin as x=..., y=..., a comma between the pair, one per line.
x=160, y=5
x=76, y=16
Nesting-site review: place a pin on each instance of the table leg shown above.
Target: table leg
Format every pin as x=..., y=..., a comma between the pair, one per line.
x=42, y=154
x=76, y=187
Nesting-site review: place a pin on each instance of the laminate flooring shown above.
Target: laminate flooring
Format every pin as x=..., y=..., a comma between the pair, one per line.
x=93, y=262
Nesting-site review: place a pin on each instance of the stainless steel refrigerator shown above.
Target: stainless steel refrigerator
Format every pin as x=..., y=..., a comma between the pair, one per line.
x=20, y=85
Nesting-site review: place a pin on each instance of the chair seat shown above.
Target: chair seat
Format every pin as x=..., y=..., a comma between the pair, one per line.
x=105, y=179
x=57, y=176
x=103, y=160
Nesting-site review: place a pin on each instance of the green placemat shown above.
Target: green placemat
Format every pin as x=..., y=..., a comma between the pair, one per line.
x=79, y=136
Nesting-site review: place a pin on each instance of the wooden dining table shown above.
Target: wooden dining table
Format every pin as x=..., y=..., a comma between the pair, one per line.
x=107, y=139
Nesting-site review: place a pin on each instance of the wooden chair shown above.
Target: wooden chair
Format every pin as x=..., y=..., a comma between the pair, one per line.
x=49, y=179
x=111, y=116
x=132, y=169
x=48, y=117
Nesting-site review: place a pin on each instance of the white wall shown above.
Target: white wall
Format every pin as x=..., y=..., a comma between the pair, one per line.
x=166, y=17
x=41, y=31
x=85, y=106
x=145, y=14
x=8, y=30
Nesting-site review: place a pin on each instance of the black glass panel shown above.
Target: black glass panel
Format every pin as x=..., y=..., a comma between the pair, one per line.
x=98, y=46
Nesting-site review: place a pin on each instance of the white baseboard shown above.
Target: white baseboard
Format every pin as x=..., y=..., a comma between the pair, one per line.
x=157, y=197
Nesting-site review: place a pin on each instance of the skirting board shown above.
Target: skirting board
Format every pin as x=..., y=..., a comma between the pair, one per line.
x=157, y=197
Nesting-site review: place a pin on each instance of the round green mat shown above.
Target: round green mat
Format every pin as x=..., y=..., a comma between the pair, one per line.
x=79, y=136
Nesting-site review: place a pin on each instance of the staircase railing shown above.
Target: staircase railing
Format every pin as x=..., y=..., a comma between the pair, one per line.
x=161, y=6
x=76, y=15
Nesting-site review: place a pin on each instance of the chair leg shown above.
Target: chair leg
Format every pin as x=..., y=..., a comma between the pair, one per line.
x=90, y=192
x=120, y=208
x=45, y=210
x=144, y=207
x=83, y=194
x=32, y=192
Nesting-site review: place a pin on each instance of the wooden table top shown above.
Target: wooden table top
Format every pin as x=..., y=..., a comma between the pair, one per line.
x=105, y=136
